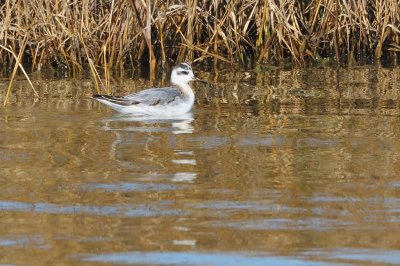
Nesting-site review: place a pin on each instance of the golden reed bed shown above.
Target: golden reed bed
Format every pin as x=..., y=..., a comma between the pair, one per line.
x=79, y=33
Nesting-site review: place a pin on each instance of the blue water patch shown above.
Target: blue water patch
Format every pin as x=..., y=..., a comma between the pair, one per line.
x=267, y=141
x=20, y=241
x=4, y=242
x=133, y=210
x=190, y=258
x=359, y=255
x=125, y=187
x=394, y=184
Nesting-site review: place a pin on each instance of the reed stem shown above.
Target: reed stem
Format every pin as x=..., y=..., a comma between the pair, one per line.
x=17, y=64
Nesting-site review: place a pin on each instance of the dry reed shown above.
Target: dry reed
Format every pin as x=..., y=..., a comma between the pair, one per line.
x=79, y=34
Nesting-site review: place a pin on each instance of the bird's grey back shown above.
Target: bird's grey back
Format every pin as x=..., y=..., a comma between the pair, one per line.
x=155, y=96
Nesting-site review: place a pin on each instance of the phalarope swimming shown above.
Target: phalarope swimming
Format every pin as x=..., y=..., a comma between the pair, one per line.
x=170, y=101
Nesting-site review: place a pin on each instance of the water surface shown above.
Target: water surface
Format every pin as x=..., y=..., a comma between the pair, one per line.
x=272, y=167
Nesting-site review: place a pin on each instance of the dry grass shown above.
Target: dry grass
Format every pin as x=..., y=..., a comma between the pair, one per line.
x=77, y=34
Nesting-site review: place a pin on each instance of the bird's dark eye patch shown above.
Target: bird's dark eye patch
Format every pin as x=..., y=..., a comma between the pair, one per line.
x=183, y=72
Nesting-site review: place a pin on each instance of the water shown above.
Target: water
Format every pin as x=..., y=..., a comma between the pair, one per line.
x=272, y=167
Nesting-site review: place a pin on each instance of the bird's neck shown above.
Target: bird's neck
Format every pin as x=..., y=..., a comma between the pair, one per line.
x=186, y=90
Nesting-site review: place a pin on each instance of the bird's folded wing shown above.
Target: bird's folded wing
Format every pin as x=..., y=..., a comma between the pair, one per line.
x=116, y=100
x=153, y=97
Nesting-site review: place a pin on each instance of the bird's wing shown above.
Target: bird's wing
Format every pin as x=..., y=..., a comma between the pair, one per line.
x=156, y=96
x=115, y=99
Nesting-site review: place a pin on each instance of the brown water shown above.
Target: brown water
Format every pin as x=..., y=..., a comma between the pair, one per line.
x=273, y=167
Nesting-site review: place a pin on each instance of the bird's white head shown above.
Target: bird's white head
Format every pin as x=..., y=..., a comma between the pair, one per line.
x=182, y=74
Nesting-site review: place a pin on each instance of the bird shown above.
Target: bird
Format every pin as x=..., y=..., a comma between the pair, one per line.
x=175, y=100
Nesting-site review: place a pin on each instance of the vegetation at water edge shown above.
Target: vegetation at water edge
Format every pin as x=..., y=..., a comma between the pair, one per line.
x=75, y=34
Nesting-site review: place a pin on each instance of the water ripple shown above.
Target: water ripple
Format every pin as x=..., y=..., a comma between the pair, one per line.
x=189, y=258
x=137, y=210
x=128, y=187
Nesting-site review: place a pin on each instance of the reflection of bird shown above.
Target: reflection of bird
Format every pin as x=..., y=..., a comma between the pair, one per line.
x=170, y=101
x=176, y=124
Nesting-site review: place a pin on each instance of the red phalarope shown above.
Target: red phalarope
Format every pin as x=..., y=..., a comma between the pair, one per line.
x=175, y=100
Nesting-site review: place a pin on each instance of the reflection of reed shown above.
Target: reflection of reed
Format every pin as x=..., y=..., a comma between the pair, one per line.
x=364, y=90
x=367, y=90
